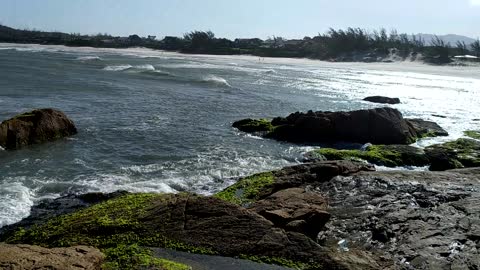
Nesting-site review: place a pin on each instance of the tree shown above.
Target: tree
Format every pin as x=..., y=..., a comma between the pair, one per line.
x=199, y=40
x=462, y=47
x=476, y=47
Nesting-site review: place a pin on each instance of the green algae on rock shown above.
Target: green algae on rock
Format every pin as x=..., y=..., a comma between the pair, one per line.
x=462, y=153
x=474, y=134
x=384, y=155
x=254, y=125
x=248, y=189
x=135, y=257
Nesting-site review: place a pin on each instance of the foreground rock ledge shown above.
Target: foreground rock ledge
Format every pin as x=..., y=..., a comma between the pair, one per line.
x=377, y=126
x=35, y=127
x=388, y=220
x=28, y=257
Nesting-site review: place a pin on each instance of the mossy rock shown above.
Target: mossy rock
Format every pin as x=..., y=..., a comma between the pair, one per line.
x=135, y=257
x=248, y=189
x=462, y=153
x=254, y=125
x=123, y=226
x=383, y=155
x=474, y=134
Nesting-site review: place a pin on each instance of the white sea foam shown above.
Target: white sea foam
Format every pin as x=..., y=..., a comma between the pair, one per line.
x=216, y=80
x=16, y=202
x=118, y=68
x=89, y=58
x=146, y=67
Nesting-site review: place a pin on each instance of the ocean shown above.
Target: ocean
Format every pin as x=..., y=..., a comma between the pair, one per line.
x=153, y=121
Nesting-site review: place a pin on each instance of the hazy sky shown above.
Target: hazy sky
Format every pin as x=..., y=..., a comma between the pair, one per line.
x=242, y=18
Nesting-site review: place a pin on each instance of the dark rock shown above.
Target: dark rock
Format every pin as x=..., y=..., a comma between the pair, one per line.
x=377, y=126
x=384, y=100
x=33, y=257
x=424, y=128
x=462, y=153
x=295, y=209
x=422, y=220
x=38, y=126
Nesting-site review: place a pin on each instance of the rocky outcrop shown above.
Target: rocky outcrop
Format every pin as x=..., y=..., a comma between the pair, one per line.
x=279, y=226
x=35, y=127
x=383, y=100
x=28, y=257
x=421, y=220
x=377, y=126
x=383, y=155
x=462, y=153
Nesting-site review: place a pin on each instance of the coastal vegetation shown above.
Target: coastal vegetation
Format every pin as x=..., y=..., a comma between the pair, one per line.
x=351, y=44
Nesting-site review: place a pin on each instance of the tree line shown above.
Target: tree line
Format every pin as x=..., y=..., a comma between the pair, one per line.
x=351, y=44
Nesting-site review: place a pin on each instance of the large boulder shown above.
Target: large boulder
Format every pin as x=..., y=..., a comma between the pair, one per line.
x=38, y=126
x=377, y=126
x=28, y=257
x=381, y=99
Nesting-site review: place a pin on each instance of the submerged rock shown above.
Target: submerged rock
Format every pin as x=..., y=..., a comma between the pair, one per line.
x=33, y=257
x=381, y=99
x=462, y=153
x=377, y=126
x=35, y=127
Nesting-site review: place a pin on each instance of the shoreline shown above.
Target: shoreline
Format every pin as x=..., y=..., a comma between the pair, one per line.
x=470, y=71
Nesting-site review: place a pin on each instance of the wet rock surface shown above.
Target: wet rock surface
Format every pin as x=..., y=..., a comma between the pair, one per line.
x=26, y=257
x=421, y=220
x=35, y=127
x=383, y=100
x=424, y=128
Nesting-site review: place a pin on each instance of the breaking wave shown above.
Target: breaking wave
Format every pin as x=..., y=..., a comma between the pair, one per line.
x=118, y=68
x=216, y=80
x=89, y=58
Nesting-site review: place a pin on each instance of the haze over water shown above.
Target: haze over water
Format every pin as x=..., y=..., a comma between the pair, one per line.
x=152, y=121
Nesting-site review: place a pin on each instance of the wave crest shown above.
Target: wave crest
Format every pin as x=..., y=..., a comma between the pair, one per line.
x=216, y=80
x=89, y=58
